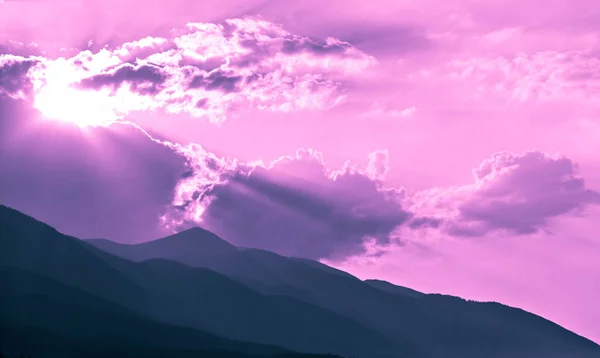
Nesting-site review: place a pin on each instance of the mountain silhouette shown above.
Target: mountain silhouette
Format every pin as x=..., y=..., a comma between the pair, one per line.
x=423, y=324
x=170, y=292
x=66, y=314
x=193, y=294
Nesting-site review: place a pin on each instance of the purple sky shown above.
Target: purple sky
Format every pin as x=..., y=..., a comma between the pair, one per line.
x=449, y=146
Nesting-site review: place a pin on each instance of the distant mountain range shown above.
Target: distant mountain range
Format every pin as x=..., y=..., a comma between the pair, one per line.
x=195, y=295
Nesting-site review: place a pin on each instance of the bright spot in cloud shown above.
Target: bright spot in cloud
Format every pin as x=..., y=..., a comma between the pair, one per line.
x=57, y=99
x=202, y=70
x=83, y=108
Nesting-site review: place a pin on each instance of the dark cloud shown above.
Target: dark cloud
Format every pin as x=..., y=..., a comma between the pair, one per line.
x=296, y=45
x=13, y=75
x=370, y=32
x=424, y=222
x=202, y=103
x=216, y=80
x=382, y=39
x=144, y=79
x=258, y=49
x=295, y=208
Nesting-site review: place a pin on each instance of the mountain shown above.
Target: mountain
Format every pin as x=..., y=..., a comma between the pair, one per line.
x=35, y=305
x=207, y=300
x=424, y=325
x=175, y=294
x=61, y=296
x=393, y=289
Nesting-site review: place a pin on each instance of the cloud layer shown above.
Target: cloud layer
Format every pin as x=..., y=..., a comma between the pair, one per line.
x=206, y=70
x=534, y=76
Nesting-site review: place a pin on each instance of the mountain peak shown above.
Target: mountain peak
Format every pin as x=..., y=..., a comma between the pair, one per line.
x=196, y=240
x=193, y=243
x=196, y=235
x=197, y=230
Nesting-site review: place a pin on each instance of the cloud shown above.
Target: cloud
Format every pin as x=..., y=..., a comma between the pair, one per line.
x=517, y=193
x=13, y=75
x=390, y=39
x=206, y=70
x=537, y=76
x=294, y=206
x=16, y=48
x=217, y=81
x=298, y=206
x=379, y=165
x=378, y=110
x=144, y=79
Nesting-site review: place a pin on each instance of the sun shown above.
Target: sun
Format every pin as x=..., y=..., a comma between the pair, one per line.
x=83, y=108
x=57, y=97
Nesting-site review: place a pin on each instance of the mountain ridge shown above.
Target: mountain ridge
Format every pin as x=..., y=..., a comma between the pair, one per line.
x=267, y=298
x=245, y=275
x=168, y=291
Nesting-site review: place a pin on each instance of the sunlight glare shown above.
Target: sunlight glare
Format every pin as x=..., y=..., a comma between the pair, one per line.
x=83, y=108
x=57, y=99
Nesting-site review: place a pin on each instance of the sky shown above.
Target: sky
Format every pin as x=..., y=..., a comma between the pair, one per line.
x=448, y=146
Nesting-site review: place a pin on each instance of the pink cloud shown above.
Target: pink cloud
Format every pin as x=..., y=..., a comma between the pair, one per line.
x=379, y=164
x=205, y=70
x=516, y=193
x=377, y=110
x=539, y=76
